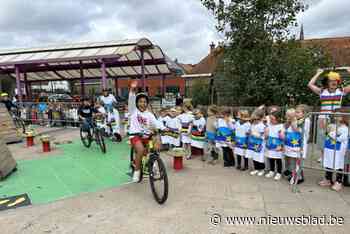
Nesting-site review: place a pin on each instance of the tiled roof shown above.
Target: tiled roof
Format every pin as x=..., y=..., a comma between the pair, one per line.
x=187, y=67
x=338, y=48
x=209, y=63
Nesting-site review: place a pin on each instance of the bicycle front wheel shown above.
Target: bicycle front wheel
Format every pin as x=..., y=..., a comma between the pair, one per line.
x=100, y=141
x=85, y=138
x=158, y=179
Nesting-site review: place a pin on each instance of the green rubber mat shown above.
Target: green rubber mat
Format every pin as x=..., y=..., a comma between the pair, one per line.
x=77, y=170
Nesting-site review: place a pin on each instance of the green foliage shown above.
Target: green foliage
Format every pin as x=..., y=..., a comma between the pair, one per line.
x=262, y=62
x=200, y=93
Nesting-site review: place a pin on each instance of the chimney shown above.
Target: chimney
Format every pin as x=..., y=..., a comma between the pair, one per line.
x=212, y=47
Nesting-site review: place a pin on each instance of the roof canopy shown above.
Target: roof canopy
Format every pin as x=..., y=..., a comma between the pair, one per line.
x=68, y=62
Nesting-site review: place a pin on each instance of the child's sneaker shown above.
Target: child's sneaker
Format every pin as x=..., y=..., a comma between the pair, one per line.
x=136, y=176
x=270, y=174
x=261, y=173
x=253, y=173
x=324, y=183
x=337, y=186
x=188, y=157
x=277, y=176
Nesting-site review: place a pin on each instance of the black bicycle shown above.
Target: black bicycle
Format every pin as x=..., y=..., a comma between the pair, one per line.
x=154, y=166
x=18, y=122
x=95, y=133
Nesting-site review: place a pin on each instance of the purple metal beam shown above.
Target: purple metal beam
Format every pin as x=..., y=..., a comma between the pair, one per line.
x=97, y=78
x=143, y=71
x=37, y=68
x=26, y=86
x=104, y=75
x=18, y=84
x=82, y=82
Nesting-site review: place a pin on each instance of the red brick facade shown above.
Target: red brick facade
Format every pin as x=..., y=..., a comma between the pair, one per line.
x=172, y=83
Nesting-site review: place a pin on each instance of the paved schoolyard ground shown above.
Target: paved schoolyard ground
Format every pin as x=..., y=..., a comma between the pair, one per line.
x=197, y=193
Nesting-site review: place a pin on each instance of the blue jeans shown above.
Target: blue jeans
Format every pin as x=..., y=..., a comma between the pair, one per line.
x=87, y=124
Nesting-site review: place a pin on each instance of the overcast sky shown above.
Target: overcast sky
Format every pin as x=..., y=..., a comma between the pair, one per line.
x=183, y=28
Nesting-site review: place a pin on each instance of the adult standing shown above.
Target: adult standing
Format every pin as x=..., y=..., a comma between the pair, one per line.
x=331, y=95
x=179, y=100
x=107, y=99
x=132, y=97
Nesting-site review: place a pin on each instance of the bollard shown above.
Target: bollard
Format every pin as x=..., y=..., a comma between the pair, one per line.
x=46, y=146
x=30, y=141
x=178, y=162
x=30, y=138
x=46, y=143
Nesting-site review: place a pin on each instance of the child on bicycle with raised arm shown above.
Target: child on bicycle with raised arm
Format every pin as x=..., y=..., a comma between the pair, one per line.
x=142, y=122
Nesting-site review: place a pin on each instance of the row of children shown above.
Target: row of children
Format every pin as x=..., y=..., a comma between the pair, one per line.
x=51, y=113
x=263, y=137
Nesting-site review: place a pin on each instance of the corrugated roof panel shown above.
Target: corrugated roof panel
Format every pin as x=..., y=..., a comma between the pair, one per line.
x=129, y=71
x=118, y=71
x=152, y=69
x=72, y=54
x=163, y=68
x=89, y=52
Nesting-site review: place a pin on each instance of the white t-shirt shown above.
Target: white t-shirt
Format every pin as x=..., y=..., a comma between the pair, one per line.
x=256, y=147
x=221, y=123
x=143, y=122
x=335, y=146
x=299, y=146
x=108, y=100
x=241, y=137
x=185, y=119
x=274, y=144
x=132, y=102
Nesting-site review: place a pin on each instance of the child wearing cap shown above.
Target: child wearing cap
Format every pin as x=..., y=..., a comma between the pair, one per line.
x=197, y=129
x=256, y=145
x=242, y=128
x=274, y=136
x=224, y=134
x=186, y=119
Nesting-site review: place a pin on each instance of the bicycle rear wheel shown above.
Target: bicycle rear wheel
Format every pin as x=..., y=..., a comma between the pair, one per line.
x=158, y=178
x=85, y=138
x=100, y=141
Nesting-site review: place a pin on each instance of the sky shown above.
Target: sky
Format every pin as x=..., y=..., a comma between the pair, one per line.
x=182, y=28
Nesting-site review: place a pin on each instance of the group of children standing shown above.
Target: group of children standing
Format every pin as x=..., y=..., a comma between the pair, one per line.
x=261, y=137
x=264, y=137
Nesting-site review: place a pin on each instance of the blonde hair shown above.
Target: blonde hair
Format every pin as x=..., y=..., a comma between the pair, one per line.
x=302, y=107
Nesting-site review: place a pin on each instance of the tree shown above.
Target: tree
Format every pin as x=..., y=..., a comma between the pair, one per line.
x=200, y=93
x=263, y=63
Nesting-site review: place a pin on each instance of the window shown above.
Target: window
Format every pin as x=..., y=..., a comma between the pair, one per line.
x=125, y=92
x=173, y=89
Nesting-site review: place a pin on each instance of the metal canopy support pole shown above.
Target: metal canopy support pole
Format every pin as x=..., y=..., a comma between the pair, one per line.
x=163, y=85
x=18, y=84
x=116, y=87
x=26, y=87
x=82, y=80
x=143, y=71
x=104, y=75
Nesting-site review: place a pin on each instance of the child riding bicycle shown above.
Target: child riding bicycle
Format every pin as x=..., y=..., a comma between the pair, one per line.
x=86, y=112
x=141, y=124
